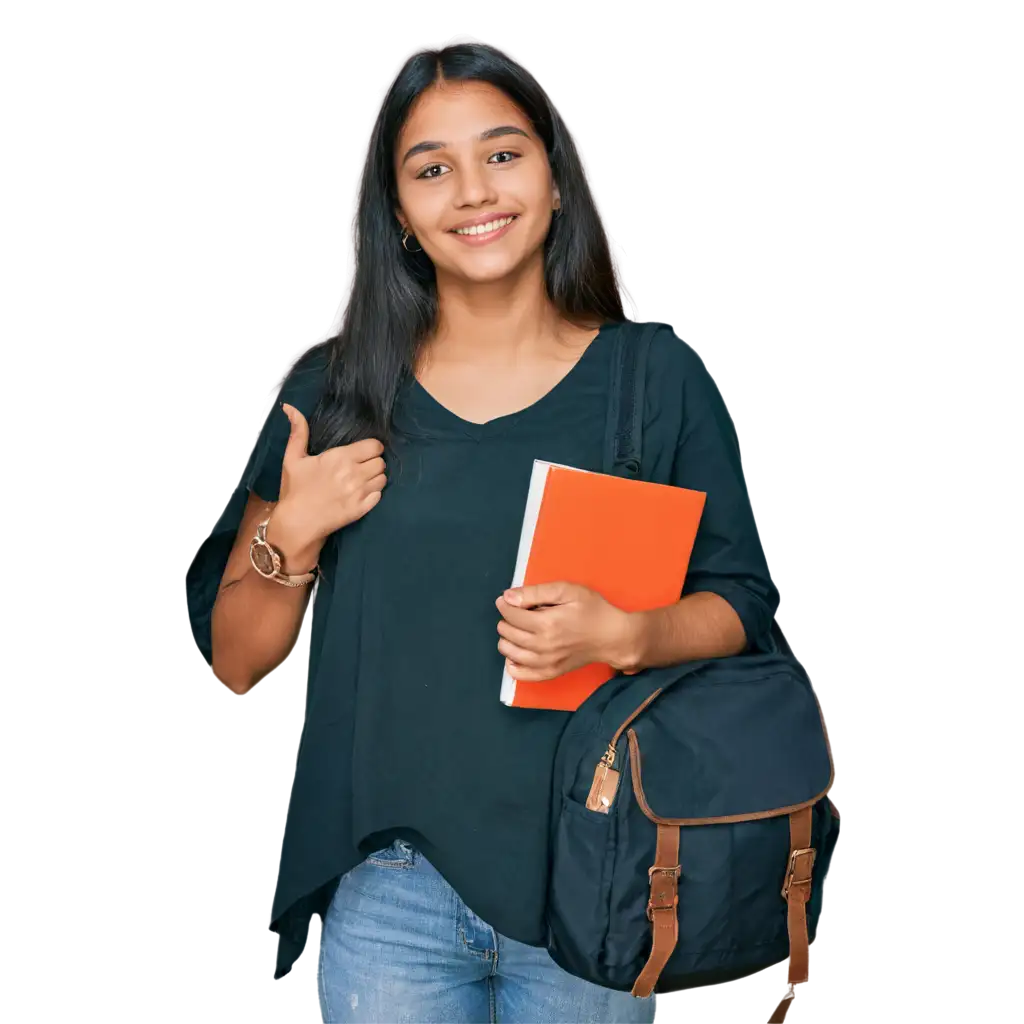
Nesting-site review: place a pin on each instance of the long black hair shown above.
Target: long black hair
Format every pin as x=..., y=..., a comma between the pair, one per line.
x=393, y=303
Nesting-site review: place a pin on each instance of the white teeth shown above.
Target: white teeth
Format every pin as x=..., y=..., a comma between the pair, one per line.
x=482, y=229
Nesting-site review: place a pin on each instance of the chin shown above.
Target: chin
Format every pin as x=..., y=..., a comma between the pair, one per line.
x=484, y=267
x=488, y=274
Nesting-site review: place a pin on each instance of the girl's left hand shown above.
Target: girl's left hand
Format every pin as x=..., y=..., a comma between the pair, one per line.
x=550, y=628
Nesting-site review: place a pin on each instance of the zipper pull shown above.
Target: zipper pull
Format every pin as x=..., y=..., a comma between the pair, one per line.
x=605, y=784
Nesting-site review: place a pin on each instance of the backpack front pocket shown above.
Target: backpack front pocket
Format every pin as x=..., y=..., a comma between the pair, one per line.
x=582, y=850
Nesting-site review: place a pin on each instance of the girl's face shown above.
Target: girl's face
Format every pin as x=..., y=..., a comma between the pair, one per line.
x=449, y=175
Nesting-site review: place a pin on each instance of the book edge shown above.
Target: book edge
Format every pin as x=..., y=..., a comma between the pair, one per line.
x=531, y=512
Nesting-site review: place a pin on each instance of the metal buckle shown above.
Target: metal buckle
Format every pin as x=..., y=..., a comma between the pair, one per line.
x=668, y=871
x=651, y=906
x=790, y=880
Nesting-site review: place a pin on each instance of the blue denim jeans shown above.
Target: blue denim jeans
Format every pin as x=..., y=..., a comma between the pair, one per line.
x=398, y=944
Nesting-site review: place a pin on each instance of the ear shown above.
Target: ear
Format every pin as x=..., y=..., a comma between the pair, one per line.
x=403, y=223
x=556, y=198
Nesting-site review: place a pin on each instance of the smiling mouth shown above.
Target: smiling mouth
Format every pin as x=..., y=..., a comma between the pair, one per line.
x=485, y=230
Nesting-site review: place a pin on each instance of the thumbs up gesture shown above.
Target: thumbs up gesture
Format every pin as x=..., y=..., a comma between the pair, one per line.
x=328, y=491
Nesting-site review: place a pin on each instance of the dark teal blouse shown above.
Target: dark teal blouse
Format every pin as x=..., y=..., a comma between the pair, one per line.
x=404, y=734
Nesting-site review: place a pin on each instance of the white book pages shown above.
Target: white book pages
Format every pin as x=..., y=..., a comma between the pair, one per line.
x=538, y=478
x=538, y=481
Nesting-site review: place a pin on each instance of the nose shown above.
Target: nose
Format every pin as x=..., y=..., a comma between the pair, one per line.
x=476, y=188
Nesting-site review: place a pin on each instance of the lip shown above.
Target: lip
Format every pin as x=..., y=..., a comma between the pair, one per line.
x=491, y=236
x=483, y=219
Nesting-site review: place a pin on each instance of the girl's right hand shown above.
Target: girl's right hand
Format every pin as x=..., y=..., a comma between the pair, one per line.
x=328, y=491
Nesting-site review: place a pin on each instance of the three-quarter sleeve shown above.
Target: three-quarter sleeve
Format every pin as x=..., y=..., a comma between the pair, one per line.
x=727, y=558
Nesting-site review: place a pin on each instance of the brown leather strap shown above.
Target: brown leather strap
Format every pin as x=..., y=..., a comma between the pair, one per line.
x=662, y=908
x=796, y=891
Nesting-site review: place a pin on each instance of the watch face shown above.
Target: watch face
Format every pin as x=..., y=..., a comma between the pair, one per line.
x=262, y=559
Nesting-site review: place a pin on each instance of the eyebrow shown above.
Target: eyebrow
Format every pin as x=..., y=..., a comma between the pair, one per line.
x=491, y=133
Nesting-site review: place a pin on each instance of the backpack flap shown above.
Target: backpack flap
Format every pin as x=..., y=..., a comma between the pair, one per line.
x=731, y=743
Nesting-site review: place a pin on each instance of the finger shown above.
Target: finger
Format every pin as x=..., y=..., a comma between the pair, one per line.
x=369, y=500
x=523, y=618
x=298, y=439
x=367, y=448
x=558, y=592
x=519, y=655
x=515, y=635
x=377, y=482
x=524, y=674
x=370, y=469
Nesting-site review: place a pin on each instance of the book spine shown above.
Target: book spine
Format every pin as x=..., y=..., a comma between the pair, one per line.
x=538, y=478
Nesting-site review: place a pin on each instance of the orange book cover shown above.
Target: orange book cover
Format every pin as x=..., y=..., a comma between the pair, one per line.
x=630, y=540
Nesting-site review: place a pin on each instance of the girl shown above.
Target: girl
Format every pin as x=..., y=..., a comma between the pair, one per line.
x=392, y=474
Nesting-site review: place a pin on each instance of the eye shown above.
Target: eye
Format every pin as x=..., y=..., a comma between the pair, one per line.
x=429, y=167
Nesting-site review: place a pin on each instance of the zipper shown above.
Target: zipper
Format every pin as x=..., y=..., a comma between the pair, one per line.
x=610, y=752
x=606, y=778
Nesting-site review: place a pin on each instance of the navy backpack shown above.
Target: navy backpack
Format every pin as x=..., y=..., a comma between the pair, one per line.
x=691, y=830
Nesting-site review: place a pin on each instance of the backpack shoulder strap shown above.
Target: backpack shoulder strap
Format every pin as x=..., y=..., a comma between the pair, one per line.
x=623, y=442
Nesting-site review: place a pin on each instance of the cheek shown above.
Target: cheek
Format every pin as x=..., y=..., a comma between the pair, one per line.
x=427, y=210
x=541, y=205
x=532, y=195
x=536, y=228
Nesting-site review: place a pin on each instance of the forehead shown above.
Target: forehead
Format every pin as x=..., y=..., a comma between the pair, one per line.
x=455, y=112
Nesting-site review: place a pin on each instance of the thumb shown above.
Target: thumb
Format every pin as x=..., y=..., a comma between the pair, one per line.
x=298, y=439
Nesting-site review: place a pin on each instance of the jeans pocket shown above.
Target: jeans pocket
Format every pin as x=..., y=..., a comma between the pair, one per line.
x=367, y=877
x=398, y=855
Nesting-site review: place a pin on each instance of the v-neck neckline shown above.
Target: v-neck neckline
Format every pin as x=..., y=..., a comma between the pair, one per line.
x=498, y=423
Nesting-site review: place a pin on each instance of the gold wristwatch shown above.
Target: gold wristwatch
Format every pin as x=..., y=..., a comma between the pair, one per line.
x=266, y=560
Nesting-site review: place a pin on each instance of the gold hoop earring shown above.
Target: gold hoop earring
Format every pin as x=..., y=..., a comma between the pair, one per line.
x=406, y=235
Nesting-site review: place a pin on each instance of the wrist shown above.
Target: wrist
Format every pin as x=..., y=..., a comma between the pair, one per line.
x=629, y=643
x=298, y=552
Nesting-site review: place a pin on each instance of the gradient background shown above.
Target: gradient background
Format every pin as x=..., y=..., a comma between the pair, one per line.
x=824, y=200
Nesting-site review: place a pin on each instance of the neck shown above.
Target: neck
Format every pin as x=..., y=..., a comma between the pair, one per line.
x=496, y=323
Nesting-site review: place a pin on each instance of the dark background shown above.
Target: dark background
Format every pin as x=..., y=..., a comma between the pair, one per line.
x=830, y=204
